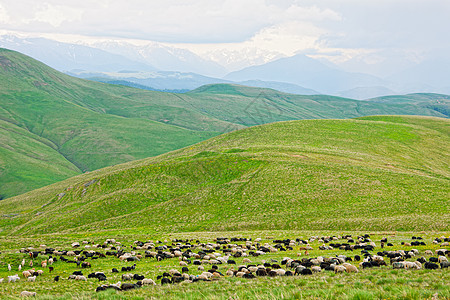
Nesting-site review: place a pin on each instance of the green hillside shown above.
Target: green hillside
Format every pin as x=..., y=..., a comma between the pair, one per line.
x=80, y=125
x=373, y=173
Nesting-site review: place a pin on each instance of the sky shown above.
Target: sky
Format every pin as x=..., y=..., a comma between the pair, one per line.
x=368, y=31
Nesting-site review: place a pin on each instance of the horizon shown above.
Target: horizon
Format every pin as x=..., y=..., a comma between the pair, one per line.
x=355, y=36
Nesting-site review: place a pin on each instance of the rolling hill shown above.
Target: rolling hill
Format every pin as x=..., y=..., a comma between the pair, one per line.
x=84, y=125
x=371, y=173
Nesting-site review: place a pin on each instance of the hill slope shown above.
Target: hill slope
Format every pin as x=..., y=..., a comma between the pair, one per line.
x=373, y=173
x=92, y=125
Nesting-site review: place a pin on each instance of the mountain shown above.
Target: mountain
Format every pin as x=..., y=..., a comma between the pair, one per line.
x=372, y=174
x=67, y=57
x=307, y=72
x=160, y=80
x=86, y=125
x=165, y=80
x=164, y=57
x=362, y=93
x=235, y=60
x=280, y=86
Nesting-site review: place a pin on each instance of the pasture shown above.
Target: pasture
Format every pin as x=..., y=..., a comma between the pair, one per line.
x=382, y=282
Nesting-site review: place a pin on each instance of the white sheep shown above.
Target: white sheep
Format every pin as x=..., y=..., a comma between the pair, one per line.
x=27, y=294
x=316, y=269
x=31, y=278
x=148, y=281
x=13, y=278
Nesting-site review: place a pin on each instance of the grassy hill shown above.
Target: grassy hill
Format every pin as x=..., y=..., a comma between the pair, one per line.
x=69, y=125
x=372, y=173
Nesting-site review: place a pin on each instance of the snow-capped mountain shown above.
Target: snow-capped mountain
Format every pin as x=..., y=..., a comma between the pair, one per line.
x=235, y=60
x=164, y=57
x=66, y=57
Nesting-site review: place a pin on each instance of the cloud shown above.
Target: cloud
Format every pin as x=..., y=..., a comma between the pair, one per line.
x=55, y=15
x=179, y=21
x=4, y=17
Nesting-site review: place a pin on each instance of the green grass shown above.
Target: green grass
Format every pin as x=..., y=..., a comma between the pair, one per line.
x=377, y=283
x=94, y=125
x=374, y=173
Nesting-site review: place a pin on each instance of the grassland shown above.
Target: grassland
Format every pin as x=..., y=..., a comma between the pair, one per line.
x=373, y=173
x=93, y=125
x=376, y=283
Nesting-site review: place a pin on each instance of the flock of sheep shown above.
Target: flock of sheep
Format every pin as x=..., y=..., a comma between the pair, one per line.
x=199, y=261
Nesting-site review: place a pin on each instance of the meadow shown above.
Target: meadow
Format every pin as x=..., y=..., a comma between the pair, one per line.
x=373, y=283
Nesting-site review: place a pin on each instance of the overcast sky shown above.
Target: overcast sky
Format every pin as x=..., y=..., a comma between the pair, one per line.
x=341, y=28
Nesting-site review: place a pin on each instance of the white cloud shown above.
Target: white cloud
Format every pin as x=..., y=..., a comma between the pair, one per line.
x=4, y=17
x=55, y=15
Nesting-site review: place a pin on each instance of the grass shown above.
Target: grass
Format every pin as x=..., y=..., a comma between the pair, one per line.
x=379, y=283
x=375, y=173
x=94, y=125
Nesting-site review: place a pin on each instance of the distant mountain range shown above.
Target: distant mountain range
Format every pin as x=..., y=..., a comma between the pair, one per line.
x=54, y=126
x=176, y=69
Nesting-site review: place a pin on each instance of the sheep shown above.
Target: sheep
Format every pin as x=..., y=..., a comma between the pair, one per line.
x=442, y=259
x=13, y=278
x=26, y=274
x=316, y=269
x=31, y=278
x=9, y=267
x=410, y=265
x=340, y=269
x=398, y=265
x=349, y=268
x=23, y=262
x=127, y=277
x=148, y=281
x=80, y=277
x=27, y=294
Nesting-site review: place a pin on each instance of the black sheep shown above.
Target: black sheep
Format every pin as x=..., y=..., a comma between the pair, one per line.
x=306, y=272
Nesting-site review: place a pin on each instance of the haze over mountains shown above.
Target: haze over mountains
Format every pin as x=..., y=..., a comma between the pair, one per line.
x=161, y=67
x=70, y=125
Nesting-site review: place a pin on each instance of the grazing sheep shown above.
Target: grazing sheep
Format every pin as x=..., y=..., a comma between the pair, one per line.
x=340, y=269
x=9, y=267
x=410, y=265
x=126, y=277
x=31, y=278
x=316, y=269
x=13, y=278
x=398, y=265
x=349, y=268
x=148, y=281
x=26, y=274
x=431, y=266
x=27, y=294
x=442, y=259
x=23, y=262
x=80, y=277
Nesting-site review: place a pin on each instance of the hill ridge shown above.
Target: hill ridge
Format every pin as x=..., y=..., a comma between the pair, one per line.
x=389, y=167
